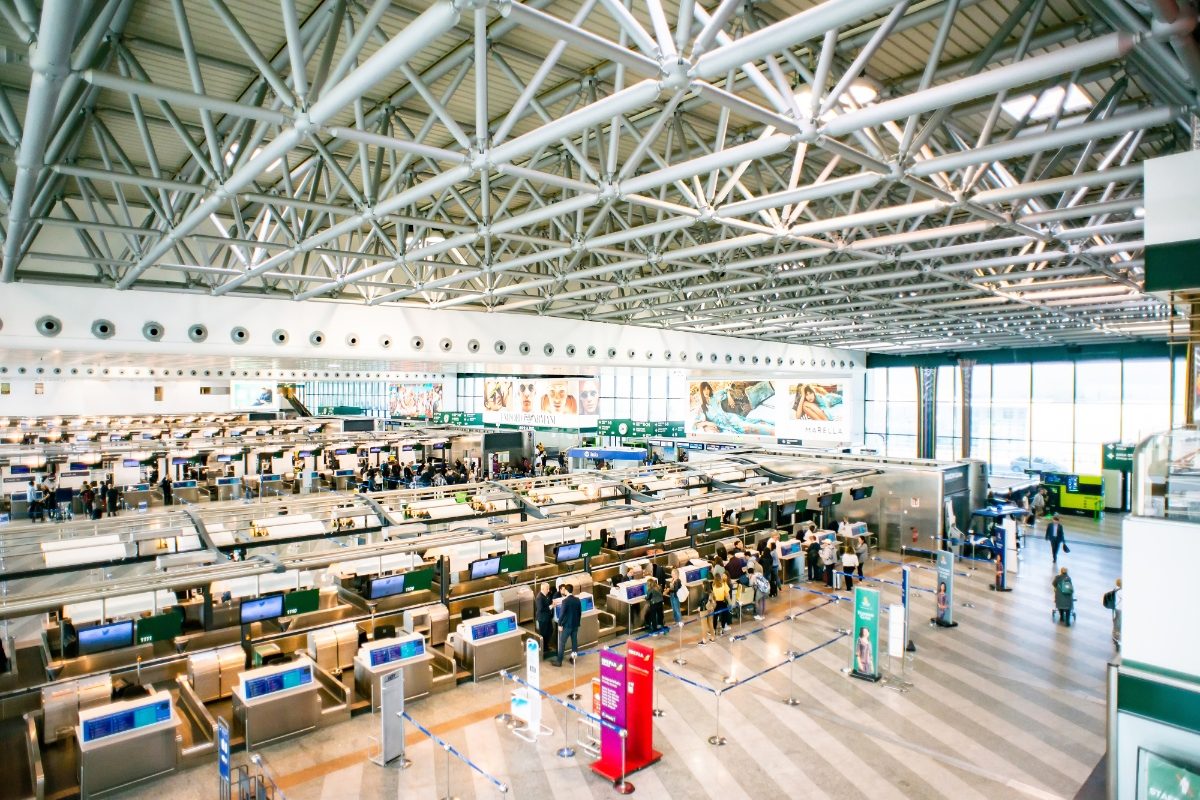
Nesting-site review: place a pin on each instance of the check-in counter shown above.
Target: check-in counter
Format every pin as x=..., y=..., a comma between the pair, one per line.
x=627, y=602
x=275, y=701
x=343, y=479
x=589, y=620
x=488, y=644
x=693, y=576
x=137, y=496
x=791, y=558
x=186, y=491
x=334, y=648
x=228, y=488
x=384, y=656
x=126, y=742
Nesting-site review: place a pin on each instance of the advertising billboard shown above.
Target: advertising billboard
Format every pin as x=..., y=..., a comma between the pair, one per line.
x=799, y=410
x=256, y=395
x=541, y=402
x=414, y=400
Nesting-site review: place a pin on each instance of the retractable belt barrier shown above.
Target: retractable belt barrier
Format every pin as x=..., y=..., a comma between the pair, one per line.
x=916, y=566
x=897, y=584
x=451, y=750
x=588, y=715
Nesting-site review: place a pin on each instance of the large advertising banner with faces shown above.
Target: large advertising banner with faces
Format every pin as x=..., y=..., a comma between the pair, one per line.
x=803, y=410
x=541, y=402
x=414, y=400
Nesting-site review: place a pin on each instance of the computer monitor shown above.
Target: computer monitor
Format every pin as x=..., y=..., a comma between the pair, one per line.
x=568, y=552
x=99, y=638
x=695, y=526
x=825, y=500
x=786, y=511
x=859, y=493
x=386, y=586
x=260, y=608
x=638, y=538
x=485, y=568
x=745, y=517
x=712, y=524
x=634, y=591
x=397, y=652
x=130, y=462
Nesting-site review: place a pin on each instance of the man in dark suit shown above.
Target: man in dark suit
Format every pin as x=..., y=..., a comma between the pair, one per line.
x=1056, y=537
x=543, y=609
x=568, y=622
x=166, y=490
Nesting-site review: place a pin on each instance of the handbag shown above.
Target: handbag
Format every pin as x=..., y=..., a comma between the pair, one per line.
x=682, y=593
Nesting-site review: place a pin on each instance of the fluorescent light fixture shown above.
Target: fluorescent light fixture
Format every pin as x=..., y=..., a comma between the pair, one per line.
x=861, y=92
x=1045, y=105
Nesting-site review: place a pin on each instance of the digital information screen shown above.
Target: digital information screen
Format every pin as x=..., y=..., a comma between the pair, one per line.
x=278, y=682
x=261, y=608
x=131, y=462
x=397, y=652
x=485, y=568
x=99, y=638
x=568, y=552
x=695, y=526
x=587, y=603
x=695, y=575
x=745, y=517
x=386, y=587
x=228, y=481
x=495, y=627
x=638, y=538
x=825, y=500
x=127, y=720
x=634, y=591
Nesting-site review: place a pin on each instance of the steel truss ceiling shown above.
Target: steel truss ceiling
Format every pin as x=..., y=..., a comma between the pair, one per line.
x=848, y=173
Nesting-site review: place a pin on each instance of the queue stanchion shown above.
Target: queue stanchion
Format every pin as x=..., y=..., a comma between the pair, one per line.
x=679, y=659
x=717, y=740
x=791, y=699
x=731, y=678
x=657, y=710
x=504, y=717
x=449, y=794
x=566, y=751
x=623, y=786
x=574, y=695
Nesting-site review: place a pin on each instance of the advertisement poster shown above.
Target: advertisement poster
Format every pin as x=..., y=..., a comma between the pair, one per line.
x=1161, y=779
x=612, y=711
x=864, y=654
x=541, y=402
x=740, y=407
x=414, y=400
x=944, y=613
x=816, y=410
x=257, y=395
x=639, y=712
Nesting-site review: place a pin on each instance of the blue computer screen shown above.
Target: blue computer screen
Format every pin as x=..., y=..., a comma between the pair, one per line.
x=568, y=552
x=634, y=591
x=262, y=608
x=386, y=587
x=105, y=637
x=121, y=721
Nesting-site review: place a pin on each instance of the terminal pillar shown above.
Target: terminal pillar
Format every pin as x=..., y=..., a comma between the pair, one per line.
x=926, y=411
x=966, y=369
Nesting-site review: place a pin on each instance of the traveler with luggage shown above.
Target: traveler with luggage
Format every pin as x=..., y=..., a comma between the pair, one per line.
x=1064, y=596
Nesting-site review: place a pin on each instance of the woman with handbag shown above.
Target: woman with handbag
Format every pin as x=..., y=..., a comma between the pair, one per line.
x=676, y=586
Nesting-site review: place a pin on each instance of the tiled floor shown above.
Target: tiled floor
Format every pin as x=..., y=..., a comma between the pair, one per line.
x=1007, y=705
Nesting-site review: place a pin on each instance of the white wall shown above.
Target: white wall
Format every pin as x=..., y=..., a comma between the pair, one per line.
x=1159, y=598
x=1172, y=202
x=117, y=396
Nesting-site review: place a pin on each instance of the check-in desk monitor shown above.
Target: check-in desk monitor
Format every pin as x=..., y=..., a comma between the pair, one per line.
x=489, y=643
x=276, y=701
x=261, y=608
x=99, y=638
x=125, y=742
x=386, y=586
x=627, y=602
x=383, y=656
x=568, y=552
x=695, y=574
x=589, y=619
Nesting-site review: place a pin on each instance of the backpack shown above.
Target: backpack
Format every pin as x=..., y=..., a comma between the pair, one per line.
x=761, y=584
x=1066, y=587
x=1110, y=599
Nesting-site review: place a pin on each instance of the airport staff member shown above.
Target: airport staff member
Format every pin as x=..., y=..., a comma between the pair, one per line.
x=572, y=612
x=543, y=607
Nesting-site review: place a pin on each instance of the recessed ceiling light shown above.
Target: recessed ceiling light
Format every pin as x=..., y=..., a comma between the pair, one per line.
x=1045, y=105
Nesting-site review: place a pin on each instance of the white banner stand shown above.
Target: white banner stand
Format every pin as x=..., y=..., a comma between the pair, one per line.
x=391, y=723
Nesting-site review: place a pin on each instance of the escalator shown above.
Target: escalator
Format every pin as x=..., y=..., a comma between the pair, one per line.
x=293, y=400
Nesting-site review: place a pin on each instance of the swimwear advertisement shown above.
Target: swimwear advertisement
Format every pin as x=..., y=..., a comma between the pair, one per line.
x=414, y=400
x=807, y=410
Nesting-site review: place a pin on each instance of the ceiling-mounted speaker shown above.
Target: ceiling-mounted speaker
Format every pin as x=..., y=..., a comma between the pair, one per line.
x=49, y=326
x=153, y=331
x=103, y=329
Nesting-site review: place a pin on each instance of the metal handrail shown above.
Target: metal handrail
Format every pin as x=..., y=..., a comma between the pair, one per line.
x=37, y=775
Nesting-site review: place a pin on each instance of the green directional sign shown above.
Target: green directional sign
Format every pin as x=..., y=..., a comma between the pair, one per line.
x=1115, y=455
x=462, y=418
x=639, y=429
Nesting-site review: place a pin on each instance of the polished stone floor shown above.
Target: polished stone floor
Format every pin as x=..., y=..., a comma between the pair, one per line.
x=1007, y=705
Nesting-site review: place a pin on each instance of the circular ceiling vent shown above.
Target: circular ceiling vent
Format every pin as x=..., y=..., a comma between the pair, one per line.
x=385, y=341
x=699, y=356
x=591, y=351
x=473, y=346
x=197, y=333
x=741, y=359
x=153, y=331
x=239, y=335
x=316, y=338
x=547, y=349
x=630, y=354
x=352, y=340
x=668, y=355
x=49, y=326
x=445, y=345
x=612, y=352
x=500, y=347
x=683, y=356
x=523, y=348
x=570, y=351
x=280, y=336
x=417, y=343
x=103, y=329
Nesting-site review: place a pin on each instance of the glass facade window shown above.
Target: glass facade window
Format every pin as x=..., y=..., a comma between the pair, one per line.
x=1050, y=415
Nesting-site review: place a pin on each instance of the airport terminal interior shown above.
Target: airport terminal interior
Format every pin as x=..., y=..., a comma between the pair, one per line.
x=580, y=398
